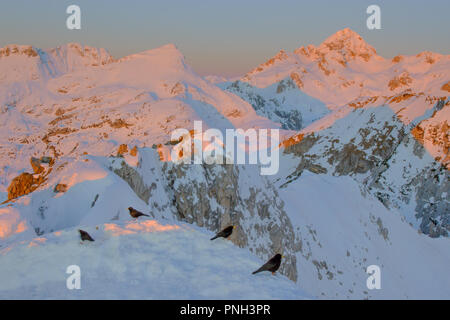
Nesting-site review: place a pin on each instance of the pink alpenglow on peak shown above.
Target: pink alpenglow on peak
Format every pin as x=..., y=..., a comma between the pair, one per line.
x=166, y=54
x=20, y=63
x=163, y=64
x=347, y=42
x=71, y=56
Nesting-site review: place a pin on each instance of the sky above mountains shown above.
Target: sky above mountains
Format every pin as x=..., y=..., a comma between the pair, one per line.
x=226, y=37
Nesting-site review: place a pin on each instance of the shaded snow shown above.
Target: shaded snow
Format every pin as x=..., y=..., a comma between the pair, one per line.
x=350, y=230
x=138, y=260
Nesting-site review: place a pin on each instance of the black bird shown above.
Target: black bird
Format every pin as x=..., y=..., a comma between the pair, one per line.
x=85, y=236
x=225, y=233
x=272, y=265
x=135, y=213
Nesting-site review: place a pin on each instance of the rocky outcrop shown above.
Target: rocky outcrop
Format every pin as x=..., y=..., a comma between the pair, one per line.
x=21, y=185
x=434, y=132
x=60, y=187
x=134, y=180
x=36, y=165
x=28, y=51
x=26, y=183
x=400, y=81
x=432, y=206
x=350, y=159
x=446, y=87
x=123, y=149
x=134, y=151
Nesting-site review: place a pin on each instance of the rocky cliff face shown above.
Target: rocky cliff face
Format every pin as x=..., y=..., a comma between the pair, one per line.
x=281, y=102
x=215, y=196
x=353, y=145
x=420, y=192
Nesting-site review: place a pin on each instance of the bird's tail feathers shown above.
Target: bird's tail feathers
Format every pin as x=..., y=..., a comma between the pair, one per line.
x=215, y=237
x=257, y=271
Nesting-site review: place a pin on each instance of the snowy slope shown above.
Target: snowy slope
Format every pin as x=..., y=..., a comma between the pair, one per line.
x=147, y=259
x=344, y=230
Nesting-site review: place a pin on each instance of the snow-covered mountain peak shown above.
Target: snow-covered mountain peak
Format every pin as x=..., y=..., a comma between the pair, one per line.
x=346, y=36
x=347, y=44
x=168, y=47
x=22, y=63
x=77, y=49
x=166, y=61
x=343, y=46
x=347, y=40
x=72, y=56
x=167, y=54
x=330, y=59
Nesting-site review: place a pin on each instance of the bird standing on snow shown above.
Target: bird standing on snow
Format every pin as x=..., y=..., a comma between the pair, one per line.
x=85, y=236
x=135, y=213
x=272, y=265
x=225, y=233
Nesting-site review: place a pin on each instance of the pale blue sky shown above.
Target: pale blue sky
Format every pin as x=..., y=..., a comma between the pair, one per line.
x=226, y=37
